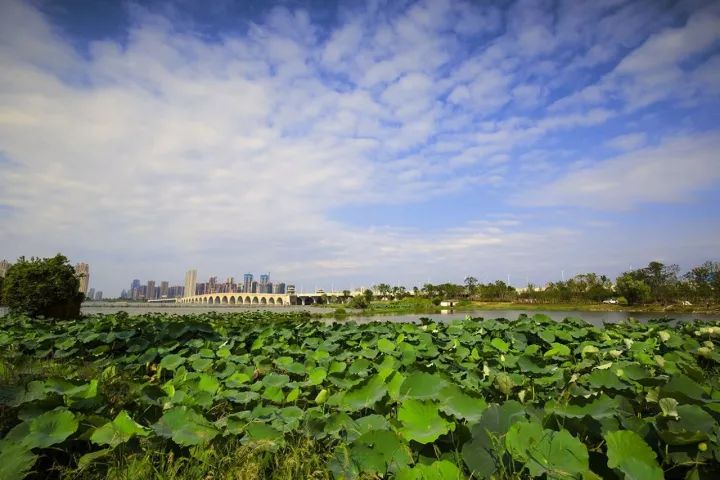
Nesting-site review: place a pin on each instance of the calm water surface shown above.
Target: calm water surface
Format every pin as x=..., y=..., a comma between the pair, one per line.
x=595, y=318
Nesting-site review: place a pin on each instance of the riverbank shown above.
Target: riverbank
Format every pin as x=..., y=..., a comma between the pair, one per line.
x=425, y=306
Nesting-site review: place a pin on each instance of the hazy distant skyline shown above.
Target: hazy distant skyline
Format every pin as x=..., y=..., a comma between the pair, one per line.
x=351, y=143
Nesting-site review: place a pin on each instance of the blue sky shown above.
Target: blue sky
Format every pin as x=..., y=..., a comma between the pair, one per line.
x=348, y=143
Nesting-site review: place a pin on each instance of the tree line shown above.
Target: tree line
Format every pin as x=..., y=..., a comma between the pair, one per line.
x=656, y=283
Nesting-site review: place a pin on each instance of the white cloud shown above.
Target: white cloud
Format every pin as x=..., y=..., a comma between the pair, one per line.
x=670, y=172
x=628, y=141
x=166, y=150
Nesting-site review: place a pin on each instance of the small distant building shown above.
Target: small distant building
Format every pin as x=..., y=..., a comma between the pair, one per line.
x=99, y=295
x=290, y=290
x=91, y=294
x=448, y=303
x=4, y=267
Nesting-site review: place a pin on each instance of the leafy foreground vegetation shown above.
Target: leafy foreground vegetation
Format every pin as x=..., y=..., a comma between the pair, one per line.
x=268, y=395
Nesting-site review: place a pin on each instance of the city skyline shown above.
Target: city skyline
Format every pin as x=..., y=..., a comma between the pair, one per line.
x=345, y=143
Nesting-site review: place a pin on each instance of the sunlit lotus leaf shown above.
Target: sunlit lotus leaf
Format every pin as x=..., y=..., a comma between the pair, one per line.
x=185, y=426
x=628, y=453
x=421, y=421
x=118, y=431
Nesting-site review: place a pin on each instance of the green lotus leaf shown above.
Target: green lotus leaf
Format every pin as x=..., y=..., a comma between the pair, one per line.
x=359, y=367
x=120, y=430
x=385, y=345
x=185, y=426
x=439, y=470
x=337, y=367
x=557, y=454
x=684, y=389
x=628, y=452
x=201, y=364
x=606, y=379
x=274, y=394
x=237, y=379
x=421, y=421
x=275, y=380
x=262, y=431
x=422, y=386
x=362, y=425
x=172, y=361
x=599, y=408
x=364, y=395
x=483, y=454
x=16, y=460
x=557, y=350
x=50, y=428
x=207, y=383
x=691, y=424
x=461, y=405
x=317, y=376
x=375, y=452
x=237, y=396
x=396, y=381
x=500, y=344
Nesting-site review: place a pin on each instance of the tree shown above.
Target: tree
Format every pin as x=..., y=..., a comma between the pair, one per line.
x=471, y=284
x=635, y=291
x=368, y=294
x=43, y=286
x=2, y=279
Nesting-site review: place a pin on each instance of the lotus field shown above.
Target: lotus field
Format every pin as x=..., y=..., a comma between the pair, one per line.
x=278, y=395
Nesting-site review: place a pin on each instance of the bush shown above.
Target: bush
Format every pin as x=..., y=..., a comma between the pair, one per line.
x=43, y=286
x=360, y=302
x=622, y=301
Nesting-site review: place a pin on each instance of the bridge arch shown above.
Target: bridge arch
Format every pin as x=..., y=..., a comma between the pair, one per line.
x=263, y=301
x=232, y=300
x=255, y=300
x=217, y=299
x=271, y=301
x=279, y=301
x=224, y=299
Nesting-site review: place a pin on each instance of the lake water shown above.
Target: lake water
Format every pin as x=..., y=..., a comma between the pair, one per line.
x=595, y=318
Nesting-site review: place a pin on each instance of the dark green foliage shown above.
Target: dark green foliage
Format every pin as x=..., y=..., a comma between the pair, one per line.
x=42, y=286
x=474, y=398
x=635, y=291
x=2, y=280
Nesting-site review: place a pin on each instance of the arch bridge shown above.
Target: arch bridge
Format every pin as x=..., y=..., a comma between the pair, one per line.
x=266, y=299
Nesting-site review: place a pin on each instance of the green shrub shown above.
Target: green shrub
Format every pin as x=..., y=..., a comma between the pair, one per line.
x=43, y=286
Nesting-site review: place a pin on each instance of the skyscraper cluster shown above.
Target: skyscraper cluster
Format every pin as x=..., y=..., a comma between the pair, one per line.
x=248, y=285
x=151, y=291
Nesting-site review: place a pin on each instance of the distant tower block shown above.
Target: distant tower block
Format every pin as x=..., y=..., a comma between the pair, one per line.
x=190, y=280
x=82, y=271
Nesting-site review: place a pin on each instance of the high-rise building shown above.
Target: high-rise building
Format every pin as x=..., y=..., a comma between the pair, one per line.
x=150, y=293
x=164, y=286
x=4, y=267
x=268, y=288
x=124, y=294
x=264, y=279
x=254, y=287
x=135, y=284
x=190, y=281
x=82, y=271
x=247, y=282
x=212, y=285
x=98, y=295
x=91, y=294
x=279, y=288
